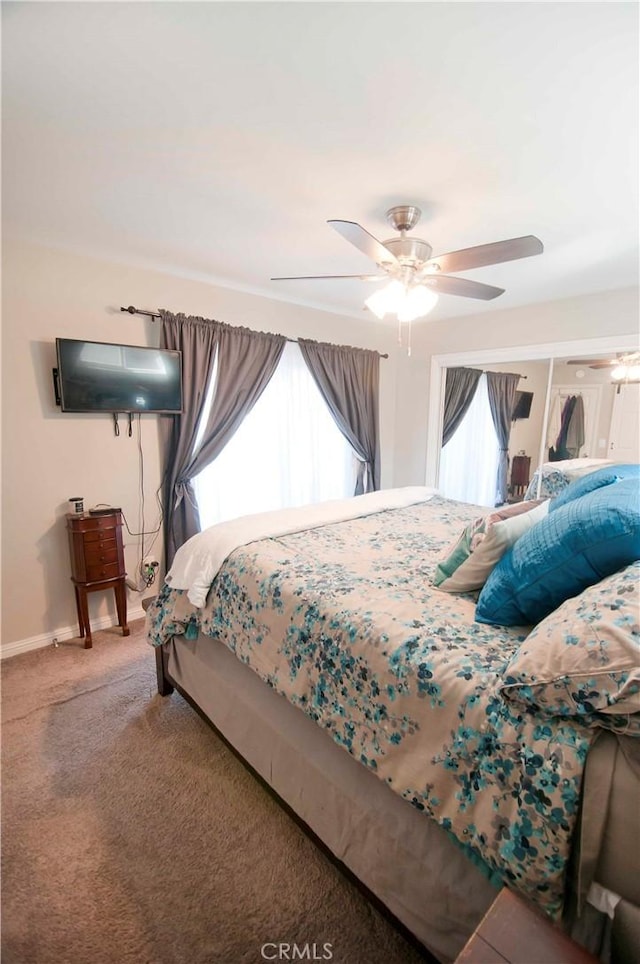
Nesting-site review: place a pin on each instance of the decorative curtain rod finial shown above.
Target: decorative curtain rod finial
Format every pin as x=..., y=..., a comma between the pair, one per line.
x=139, y=311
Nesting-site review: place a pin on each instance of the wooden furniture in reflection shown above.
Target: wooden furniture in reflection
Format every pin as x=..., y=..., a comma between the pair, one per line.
x=97, y=562
x=520, y=467
x=513, y=932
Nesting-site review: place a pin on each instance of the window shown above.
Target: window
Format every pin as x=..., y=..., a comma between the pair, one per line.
x=474, y=443
x=288, y=451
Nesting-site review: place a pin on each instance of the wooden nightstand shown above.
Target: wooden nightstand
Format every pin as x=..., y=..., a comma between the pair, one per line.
x=520, y=468
x=513, y=932
x=97, y=562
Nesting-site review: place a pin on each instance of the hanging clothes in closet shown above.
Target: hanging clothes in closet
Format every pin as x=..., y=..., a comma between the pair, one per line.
x=571, y=436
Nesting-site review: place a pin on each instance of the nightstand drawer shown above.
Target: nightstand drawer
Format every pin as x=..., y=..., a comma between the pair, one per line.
x=97, y=553
x=88, y=523
x=108, y=534
x=110, y=570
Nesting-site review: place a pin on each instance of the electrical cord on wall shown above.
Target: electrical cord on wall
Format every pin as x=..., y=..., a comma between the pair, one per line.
x=147, y=571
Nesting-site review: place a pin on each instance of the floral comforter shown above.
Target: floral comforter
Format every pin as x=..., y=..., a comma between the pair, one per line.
x=344, y=622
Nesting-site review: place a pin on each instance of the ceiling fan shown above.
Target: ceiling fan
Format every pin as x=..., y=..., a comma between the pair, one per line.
x=416, y=278
x=624, y=367
x=626, y=360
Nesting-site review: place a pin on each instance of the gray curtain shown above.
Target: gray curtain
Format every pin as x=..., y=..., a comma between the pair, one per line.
x=197, y=339
x=501, y=387
x=246, y=361
x=459, y=390
x=348, y=379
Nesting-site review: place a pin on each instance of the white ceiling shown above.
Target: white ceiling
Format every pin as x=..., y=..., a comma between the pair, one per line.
x=214, y=140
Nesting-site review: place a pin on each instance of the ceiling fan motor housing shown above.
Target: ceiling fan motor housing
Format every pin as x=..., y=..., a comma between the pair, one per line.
x=409, y=251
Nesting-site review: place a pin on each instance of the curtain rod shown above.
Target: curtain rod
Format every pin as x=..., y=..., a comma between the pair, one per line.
x=156, y=314
x=140, y=311
x=489, y=372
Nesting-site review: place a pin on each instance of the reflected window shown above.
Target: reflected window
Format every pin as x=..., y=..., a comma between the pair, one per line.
x=475, y=443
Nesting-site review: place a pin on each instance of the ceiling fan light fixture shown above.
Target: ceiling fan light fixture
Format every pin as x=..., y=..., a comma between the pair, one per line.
x=626, y=373
x=406, y=303
x=419, y=301
x=385, y=301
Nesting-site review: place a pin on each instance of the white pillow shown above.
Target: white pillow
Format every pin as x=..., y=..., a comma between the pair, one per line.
x=482, y=544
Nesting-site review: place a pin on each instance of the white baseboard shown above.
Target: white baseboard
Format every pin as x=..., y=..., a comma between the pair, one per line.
x=65, y=632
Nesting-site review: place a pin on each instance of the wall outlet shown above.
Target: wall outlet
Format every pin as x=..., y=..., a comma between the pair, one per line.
x=149, y=570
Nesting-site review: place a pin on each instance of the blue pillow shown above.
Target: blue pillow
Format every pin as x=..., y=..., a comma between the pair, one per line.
x=607, y=475
x=572, y=548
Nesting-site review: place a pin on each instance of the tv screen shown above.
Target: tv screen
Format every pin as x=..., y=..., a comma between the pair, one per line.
x=522, y=405
x=94, y=376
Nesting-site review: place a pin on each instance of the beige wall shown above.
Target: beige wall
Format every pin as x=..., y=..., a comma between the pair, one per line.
x=589, y=316
x=49, y=456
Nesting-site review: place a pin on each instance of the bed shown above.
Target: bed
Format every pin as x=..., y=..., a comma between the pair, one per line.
x=373, y=704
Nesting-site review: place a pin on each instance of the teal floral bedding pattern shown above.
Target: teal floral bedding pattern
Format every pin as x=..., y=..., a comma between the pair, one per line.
x=583, y=660
x=554, y=481
x=344, y=622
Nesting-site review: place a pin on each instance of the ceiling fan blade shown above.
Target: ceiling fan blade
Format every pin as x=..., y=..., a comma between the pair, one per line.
x=591, y=362
x=445, y=285
x=484, y=254
x=320, y=277
x=364, y=241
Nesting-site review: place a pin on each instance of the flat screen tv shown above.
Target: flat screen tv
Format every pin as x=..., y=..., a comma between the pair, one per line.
x=94, y=376
x=522, y=405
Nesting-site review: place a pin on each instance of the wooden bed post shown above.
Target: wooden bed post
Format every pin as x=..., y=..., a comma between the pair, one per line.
x=165, y=688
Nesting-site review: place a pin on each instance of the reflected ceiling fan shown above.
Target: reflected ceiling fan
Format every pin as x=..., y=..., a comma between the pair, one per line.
x=415, y=277
x=625, y=367
x=627, y=358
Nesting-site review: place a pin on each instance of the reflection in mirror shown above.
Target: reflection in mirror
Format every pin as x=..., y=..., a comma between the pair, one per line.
x=603, y=426
x=469, y=460
x=569, y=416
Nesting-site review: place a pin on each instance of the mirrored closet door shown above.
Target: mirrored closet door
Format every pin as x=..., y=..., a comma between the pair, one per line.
x=565, y=407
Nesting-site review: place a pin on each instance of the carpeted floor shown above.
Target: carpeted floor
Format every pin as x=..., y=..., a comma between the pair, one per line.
x=131, y=834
